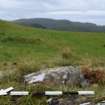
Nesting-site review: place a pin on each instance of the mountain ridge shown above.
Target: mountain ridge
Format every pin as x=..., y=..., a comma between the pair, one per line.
x=60, y=24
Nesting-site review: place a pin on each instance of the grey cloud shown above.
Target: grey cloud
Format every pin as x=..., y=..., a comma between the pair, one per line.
x=76, y=10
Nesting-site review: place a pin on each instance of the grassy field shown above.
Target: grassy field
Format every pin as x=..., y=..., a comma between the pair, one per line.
x=19, y=43
x=24, y=50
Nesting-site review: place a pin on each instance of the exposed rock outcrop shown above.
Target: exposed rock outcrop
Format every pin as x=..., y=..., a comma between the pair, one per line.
x=60, y=75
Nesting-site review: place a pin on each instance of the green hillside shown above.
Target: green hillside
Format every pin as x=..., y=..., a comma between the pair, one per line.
x=21, y=42
x=24, y=50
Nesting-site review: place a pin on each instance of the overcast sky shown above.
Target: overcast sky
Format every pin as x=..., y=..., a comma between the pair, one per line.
x=74, y=10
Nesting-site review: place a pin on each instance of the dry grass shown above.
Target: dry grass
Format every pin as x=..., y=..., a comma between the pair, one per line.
x=94, y=75
x=67, y=53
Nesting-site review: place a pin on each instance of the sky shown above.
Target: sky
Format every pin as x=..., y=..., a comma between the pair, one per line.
x=75, y=10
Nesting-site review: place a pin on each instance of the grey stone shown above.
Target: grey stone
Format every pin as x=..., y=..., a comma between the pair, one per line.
x=62, y=75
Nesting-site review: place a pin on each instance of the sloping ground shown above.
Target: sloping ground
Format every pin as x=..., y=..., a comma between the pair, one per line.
x=17, y=42
x=25, y=50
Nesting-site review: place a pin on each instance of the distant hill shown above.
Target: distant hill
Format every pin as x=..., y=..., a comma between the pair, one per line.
x=64, y=25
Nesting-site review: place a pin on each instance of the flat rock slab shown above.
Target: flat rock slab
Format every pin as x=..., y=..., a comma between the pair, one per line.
x=59, y=75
